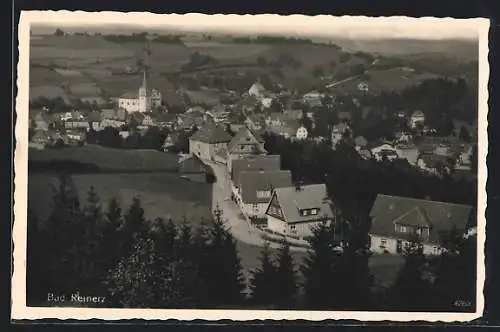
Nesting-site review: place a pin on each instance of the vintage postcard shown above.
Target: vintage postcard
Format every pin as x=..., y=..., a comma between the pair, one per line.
x=249, y=167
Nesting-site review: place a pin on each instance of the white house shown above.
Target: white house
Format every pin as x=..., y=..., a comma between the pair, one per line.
x=257, y=90
x=338, y=132
x=301, y=133
x=295, y=210
x=313, y=98
x=398, y=220
x=381, y=149
x=416, y=118
x=363, y=86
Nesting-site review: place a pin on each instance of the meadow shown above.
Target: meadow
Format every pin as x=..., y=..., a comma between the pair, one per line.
x=107, y=158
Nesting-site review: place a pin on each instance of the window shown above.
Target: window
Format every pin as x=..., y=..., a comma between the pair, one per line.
x=255, y=206
x=399, y=246
x=418, y=231
x=263, y=194
x=314, y=212
x=401, y=228
x=304, y=212
x=383, y=242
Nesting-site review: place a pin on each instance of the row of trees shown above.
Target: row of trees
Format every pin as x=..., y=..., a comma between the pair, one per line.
x=110, y=137
x=138, y=263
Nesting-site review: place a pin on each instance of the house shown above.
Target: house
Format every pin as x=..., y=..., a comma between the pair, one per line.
x=170, y=141
x=301, y=133
x=188, y=122
x=148, y=120
x=41, y=137
x=295, y=210
x=255, y=122
x=75, y=137
x=396, y=220
x=255, y=187
x=363, y=86
x=344, y=116
x=209, y=140
x=254, y=163
x=108, y=114
x=402, y=137
x=266, y=102
x=360, y=143
x=465, y=157
x=257, y=90
x=43, y=120
x=416, y=118
x=382, y=149
x=295, y=114
x=435, y=164
x=313, y=99
x=94, y=118
x=165, y=120
x=408, y=152
x=338, y=132
x=245, y=142
x=276, y=119
x=114, y=123
x=193, y=168
x=75, y=124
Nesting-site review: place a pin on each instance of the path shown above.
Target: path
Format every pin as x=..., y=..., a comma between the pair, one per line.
x=239, y=226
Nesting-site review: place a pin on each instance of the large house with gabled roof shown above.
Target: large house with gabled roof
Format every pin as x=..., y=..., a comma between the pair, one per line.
x=395, y=221
x=254, y=189
x=208, y=141
x=245, y=143
x=295, y=210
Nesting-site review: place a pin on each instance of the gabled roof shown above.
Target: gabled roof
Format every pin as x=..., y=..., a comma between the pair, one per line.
x=252, y=181
x=344, y=115
x=108, y=113
x=255, y=163
x=440, y=216
x=211, y=135
x=244, y=136
x=94, y=116
x=311, y=196
x=378, y=143
x=360, y=141
x=192, y=164
x=130, y=95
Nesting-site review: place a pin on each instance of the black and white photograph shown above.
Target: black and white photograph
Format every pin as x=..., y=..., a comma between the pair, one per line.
x=262, y=167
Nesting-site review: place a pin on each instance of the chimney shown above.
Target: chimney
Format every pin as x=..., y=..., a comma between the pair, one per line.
x=298, y=186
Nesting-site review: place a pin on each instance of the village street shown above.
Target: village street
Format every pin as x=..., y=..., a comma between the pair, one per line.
x=239, y=226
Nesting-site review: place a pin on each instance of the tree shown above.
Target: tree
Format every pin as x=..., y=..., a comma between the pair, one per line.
x=221, y=280
x=455, y=272
x=286, y=279
x=464, y=134
x=344, y=57
x=319, y=267
x=134, y=224
x=264, y=282
x=412, y=288
x=306, y=122
x=59, y=32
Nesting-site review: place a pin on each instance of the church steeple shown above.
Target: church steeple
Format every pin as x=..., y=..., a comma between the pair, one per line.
x=144, y=81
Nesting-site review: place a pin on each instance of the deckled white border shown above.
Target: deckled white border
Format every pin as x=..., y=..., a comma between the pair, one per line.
x=397, y=26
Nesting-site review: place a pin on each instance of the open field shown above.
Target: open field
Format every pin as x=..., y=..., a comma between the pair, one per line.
x=106, y=158
x=162, y=194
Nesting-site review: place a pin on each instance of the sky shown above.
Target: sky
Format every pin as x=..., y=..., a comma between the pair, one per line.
x=295, y=25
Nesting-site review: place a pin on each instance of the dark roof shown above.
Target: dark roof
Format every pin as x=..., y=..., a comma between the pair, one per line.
x=211, y=135
x=344, y=115
x=252, y=181
x=166, y=117
x=94, y=116
x=360, y=141
x=244, y=136
x=255, y=163
x=310, y=196
x=439, y=216
x=192, y=164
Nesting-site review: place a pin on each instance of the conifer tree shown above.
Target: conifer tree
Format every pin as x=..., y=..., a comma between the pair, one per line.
x=264, y=280
x=319, y=267
x=412, y=288
x=36, y=274
x=134, y=225
x=220, y=267
x=455, y=272
x=286, y=279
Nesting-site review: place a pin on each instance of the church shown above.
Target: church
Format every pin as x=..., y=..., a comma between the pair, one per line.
x=143, y=100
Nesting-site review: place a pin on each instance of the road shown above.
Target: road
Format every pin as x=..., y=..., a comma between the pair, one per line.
x=239, y=226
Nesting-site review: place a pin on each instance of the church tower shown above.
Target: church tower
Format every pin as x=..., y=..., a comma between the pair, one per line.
x=143, y=94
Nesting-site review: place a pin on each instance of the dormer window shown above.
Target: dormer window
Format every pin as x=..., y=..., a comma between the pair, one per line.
x=314, y=212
